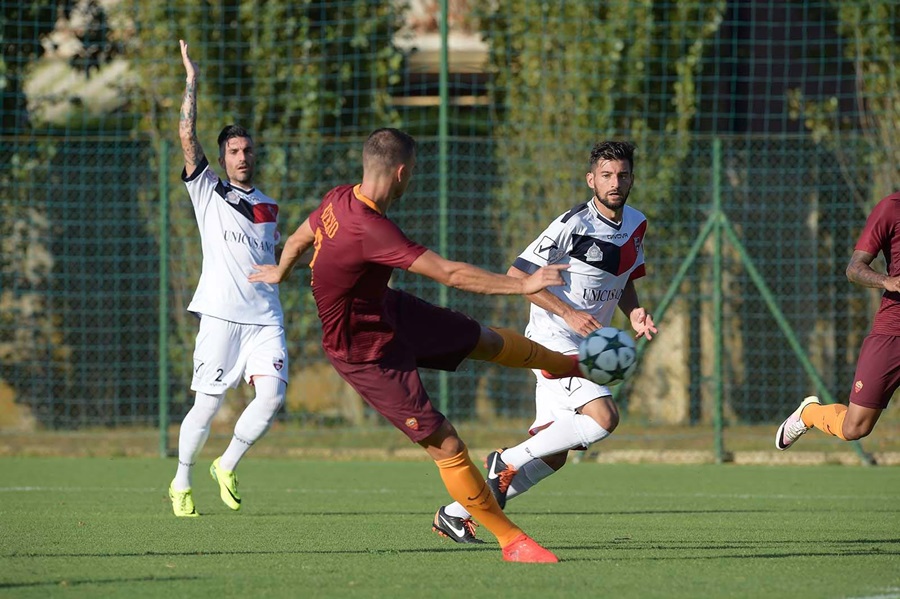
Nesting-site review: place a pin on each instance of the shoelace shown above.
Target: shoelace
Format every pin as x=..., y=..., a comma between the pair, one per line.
x=470, y=525
x=506, y=478
x=183, y=502
x=795, y=429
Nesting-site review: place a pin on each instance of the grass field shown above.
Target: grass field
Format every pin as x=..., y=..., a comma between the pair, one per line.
x=92, y=527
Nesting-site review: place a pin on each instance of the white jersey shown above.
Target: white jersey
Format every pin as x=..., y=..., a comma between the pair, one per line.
x=602, y=257
x=237, y=230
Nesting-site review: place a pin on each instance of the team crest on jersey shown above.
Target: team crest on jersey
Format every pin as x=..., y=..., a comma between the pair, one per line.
x=858, y=386
x=412, y=423
x=594, y=254
x=232, y=197
x=278, y=363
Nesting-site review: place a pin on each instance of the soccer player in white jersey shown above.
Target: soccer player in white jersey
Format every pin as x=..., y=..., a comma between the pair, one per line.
x=602, y=241
x=241, y=323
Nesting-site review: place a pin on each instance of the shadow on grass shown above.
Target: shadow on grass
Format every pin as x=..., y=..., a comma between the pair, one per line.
x=745, y=549
x=338, y=514
x=72, y=583
x=449, y=549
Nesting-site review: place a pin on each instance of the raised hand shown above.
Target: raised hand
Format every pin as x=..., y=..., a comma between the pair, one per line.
x=190, y=67
x=187, y=122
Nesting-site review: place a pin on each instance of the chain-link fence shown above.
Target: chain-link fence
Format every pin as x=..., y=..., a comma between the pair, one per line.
x=772, y=121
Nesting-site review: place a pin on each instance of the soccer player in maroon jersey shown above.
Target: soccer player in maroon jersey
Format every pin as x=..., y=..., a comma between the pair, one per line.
x=878, y=365
x=377, y=337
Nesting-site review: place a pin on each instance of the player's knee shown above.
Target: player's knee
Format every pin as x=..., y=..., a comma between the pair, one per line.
x=603, y=411
x=490, y=343
x=608, y=420
x=272, y=402
x=206, y=405
x=444, y=442
x=853, y=431
x=270, y=393
x=453, y=445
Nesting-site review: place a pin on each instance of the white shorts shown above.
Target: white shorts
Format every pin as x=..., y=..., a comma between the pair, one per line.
x=552, y=396
x=227, y=351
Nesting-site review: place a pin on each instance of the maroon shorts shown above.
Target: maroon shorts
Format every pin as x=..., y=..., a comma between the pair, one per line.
x=877, y=371
x=425, y=336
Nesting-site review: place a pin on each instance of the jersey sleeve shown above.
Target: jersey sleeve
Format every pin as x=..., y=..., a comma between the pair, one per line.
x=550, y=247
x=878, y=229
x=384, y=243
x=637, y=239
x=202, y=183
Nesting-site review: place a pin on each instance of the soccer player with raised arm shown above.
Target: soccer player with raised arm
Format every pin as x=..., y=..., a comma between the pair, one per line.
x=601, y=241
x=241, y=323
x=377, y=337
x=877, y=374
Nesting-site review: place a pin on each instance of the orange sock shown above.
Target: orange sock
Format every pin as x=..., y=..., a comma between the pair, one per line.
x=827, y=418
x=466, y=485
x=521, y=352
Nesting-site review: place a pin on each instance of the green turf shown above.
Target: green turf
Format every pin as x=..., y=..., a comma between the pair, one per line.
x=103, y=527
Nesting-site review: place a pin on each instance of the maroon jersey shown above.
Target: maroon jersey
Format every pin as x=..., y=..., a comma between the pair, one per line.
x=356, y=250
x=882, y=234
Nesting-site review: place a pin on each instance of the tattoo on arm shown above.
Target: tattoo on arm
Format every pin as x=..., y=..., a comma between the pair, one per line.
x=187, y=126
x=864, y=275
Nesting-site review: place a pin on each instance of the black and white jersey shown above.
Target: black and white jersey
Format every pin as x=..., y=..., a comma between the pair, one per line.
x=238, y=228
x=602, y=257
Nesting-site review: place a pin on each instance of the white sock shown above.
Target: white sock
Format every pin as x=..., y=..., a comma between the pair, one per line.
x=456, y=510
x=255, y=420
x=527, y=476
x=568, y=431
x=193, y=434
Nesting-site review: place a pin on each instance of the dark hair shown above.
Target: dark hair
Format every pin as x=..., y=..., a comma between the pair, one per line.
x=612, y=150
x=388, y=147
x=229, y=132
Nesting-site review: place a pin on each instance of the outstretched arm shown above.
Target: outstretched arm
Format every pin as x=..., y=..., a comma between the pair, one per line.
x=468, y=277
x=187, y=124
x=860, y=271
x=295, y=248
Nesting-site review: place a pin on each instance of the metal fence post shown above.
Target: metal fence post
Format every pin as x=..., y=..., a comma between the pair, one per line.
x=718, y=390
x=443, y=115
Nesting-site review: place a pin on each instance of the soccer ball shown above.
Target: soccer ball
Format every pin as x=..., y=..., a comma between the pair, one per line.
x=607, y=356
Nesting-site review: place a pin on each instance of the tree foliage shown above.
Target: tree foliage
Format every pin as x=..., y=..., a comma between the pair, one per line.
x=295, y=74
x=31, y=340
x=307, y=78
x=570, y=74
x=870, y=29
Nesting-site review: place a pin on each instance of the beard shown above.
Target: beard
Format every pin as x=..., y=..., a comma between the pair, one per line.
x=613, y=203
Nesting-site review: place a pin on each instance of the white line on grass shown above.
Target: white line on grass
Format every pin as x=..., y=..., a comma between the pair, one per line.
x=891, y=593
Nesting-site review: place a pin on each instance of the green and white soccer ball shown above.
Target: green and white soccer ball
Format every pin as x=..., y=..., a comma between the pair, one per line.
x=607, y=356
